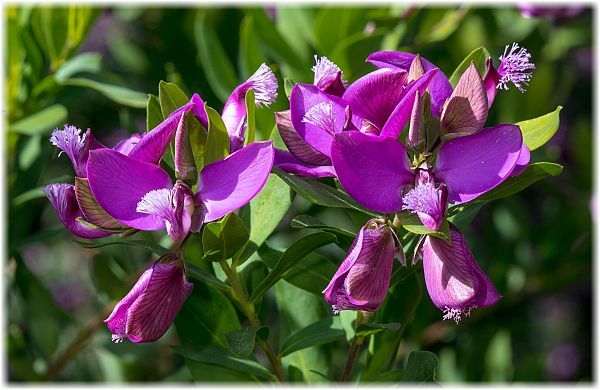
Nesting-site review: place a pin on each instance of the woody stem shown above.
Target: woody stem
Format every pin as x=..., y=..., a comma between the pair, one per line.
x=357, y=341
x=240, y=295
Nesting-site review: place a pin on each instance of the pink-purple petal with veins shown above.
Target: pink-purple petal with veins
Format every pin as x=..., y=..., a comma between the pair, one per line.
x=286, y=161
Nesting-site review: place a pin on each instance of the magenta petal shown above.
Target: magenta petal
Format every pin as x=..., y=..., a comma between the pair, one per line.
x=454, y=280
x=522, y=161
x=126, y=145
x=316, y=116
x=375, y=95
x=286, y=161
x=401, y=114
x=62, y=197
x=490, y=82
x=373, y=170
x=474, y=164
x=440, y=87
x=151, y=306
x=154, y=144
x=295, y=144
x=328, y=77
x=119, y=182
x=362, y=281
x=228, y=184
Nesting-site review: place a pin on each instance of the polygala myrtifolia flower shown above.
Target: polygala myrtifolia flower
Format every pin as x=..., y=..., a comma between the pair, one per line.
x=373, y=104
x=362, y=280
x=147, y=311
x=464, y=162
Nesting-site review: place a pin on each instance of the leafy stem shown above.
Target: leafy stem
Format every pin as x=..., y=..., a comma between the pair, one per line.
x=357, y=341
x=240, y=295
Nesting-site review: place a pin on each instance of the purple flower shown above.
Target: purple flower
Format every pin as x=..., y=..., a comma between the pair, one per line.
x=362, y=280
x=378, y=103
x=454, y=281
x=515, y=67
x=147, y=311
x=141, y=195
x=546, y=11
x=329, y=77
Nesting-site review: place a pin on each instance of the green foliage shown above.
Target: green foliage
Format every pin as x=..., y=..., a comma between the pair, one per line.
x=222, y=239
x=537, y=131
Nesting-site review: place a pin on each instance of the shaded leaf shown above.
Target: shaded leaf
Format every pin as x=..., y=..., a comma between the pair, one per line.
x=305, y=221
x=321, y=332
x=118, y=94
x=222, y=239
x=478, y=56
x=369, y=329
x=241, y=342
x=41, y=122
x=171, y=97
x=217, y=142
x=154, y=114
x=420, y=367
x=81, y=63
x=206, y=277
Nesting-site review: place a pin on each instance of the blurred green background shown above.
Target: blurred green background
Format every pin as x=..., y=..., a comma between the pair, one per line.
x=93, y=68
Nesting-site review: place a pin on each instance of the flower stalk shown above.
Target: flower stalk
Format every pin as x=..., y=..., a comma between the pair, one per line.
x=239, y=294
x=362, y=317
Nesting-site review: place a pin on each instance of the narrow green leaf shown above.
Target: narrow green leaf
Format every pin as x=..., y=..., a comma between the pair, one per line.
x=31, y=194
x=305, y=221
x=41, y=122
x=113, y=240
x=154, y=114
x=217, y=142
x=413, y=224
x=241, y=342
x=206, y=277
x=221, y=357
x=264, y=213
x=369, y=329
x=321, y=332
x=85, y=62
x=538, y=131
x=478, y=56
x=530, y=175
x=250, y=116
x=118, y=94
x=296, y=252
x=220, y=73
x=420, y=367
x=320, y=193
x=222, y=239
x=171, y=97
x=250, y=53
x=287, y=86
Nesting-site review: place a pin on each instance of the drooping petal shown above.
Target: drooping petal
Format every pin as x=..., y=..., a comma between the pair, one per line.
x=302, y=151
x=119, y=182
x=264, y=84
x=467, y=108
x=154, y=144
x=362, y=281
x=375, y=95
x=228, y=184
x=62, y=197
x=316, y=116
x=126, y=145
x=328, y=77
x=440, y=87
x=490, y=81
x=474, y=164
x=454, y=281
x=148, y=310
x=522, y=161
x=373, y=170
x=401, y=114
x=286, y=161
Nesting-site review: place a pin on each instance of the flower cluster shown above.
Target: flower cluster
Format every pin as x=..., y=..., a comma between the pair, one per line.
x=447, y=157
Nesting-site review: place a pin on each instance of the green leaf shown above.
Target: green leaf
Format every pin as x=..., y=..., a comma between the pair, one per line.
x=220, y=73
x=356, y=46
x=206, y=277
x=31, y=194
x=171, y=97
x=114, y=240
x=154, y=114
x=222, y=239
x=420, y=367
x=305, y=221
x=321, y=332
x=537, y=131
x=241, y=342
x=311, y=274
x=118, y=94
x=296, y=252
x=250, y=116
x=81, y=63
x=348, y=21
x=369, y=329
x=250, y=54
x=287, y=86
x=478, y=56
x=530, y=175
x=42, y=122
x=264, y=213
x=217, y=142
x=221, y=357
x=413, y=224
x=319, y=193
